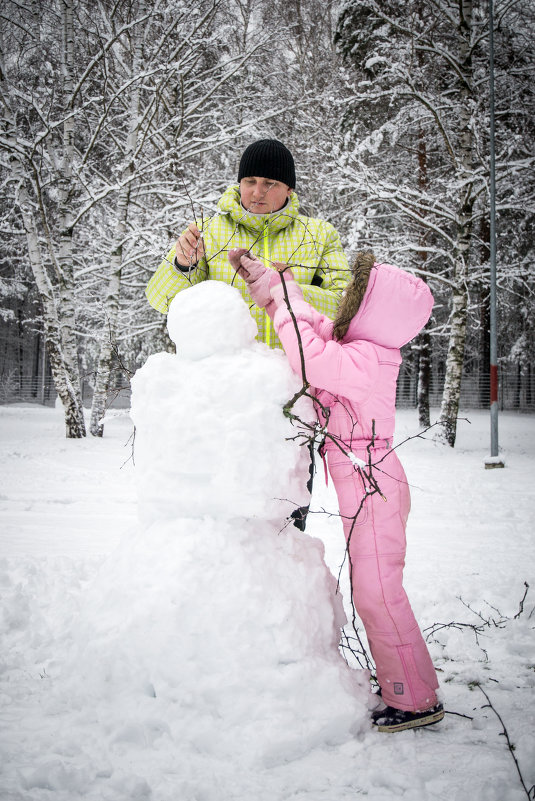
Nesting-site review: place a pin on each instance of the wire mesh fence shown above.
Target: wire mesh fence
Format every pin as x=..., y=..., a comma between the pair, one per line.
x=516, y=391
x=30, y=390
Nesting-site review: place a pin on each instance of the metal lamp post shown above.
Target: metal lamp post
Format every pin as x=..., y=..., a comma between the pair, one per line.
x=494, y=460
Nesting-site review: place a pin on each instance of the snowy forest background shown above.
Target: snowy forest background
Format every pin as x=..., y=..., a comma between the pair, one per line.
x=121, y=121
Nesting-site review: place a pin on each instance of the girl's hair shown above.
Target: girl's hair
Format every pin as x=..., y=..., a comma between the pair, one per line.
x=354, y=292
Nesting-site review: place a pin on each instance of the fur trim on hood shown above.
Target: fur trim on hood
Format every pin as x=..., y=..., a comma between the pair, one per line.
x=353, y=294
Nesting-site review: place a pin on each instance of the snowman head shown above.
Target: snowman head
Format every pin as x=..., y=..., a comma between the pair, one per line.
x=210, y=317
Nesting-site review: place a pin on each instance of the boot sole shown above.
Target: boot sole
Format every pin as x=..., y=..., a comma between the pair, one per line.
x=425, y=720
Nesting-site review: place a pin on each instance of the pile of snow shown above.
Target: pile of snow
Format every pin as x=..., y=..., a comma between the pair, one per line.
x=64, y=736
x=209, y=637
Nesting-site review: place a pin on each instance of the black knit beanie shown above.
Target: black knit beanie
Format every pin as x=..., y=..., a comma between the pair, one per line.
x=268, y=158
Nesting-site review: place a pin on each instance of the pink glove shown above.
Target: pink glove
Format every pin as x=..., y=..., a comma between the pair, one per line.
x=257, y=277
x=277, y=289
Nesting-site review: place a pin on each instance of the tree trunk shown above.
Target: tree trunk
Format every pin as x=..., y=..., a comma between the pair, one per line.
x=36, y=364
x=424, y=378
x=111, y=306
x=424, y=340
x=484, y=317
x=74, y=421
x=518, y=387
x=74, y=417
x=71, y=400
x=455, y=359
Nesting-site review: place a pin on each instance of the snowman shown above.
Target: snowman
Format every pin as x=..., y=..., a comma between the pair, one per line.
x=210, y=636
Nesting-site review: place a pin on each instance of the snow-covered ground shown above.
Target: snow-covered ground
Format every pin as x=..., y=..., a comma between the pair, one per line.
x=66, y=507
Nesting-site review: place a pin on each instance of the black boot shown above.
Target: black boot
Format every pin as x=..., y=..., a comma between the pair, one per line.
x=391, y=719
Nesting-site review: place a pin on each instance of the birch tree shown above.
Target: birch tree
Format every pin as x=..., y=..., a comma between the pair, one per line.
x=111, y=300
x=466, y=188
x=184, y=113
x=65, y=264
x=19, y=153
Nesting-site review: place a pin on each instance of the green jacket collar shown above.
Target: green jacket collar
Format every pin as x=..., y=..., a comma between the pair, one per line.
x=230, y=203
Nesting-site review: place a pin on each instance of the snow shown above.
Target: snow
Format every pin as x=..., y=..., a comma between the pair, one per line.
x=355, y=460
x=190, y=654
x=218, y=404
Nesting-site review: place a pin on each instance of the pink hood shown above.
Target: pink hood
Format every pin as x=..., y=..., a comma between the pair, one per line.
x=395, y=307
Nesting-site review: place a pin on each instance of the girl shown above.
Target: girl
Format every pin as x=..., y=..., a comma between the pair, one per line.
x=353, y=364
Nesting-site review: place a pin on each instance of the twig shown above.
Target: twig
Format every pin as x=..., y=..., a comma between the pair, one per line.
x=477, y=628
x=296, y=327
x=359, y=653
x=132, y=438
x=499, y=624
x=521, y=604
x=531, y=792
x=457, y=714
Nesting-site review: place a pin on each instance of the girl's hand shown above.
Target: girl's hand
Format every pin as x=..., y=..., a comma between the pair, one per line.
x=248, y=267
x=257, y=277
x=292, y=287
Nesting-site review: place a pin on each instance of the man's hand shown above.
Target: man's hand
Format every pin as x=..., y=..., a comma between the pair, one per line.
x=189, y=248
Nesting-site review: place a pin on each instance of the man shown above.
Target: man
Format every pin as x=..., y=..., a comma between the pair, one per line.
x=261, y=214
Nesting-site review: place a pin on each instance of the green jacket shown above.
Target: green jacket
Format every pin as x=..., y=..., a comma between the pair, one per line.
x=310, y=246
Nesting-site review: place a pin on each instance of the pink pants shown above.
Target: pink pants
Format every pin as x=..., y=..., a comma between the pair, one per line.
x=377, y=555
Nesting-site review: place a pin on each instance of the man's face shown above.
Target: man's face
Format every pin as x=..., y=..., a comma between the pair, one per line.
x=262, y=195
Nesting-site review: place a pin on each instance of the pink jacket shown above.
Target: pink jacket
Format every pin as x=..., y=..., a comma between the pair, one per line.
x=360, y=371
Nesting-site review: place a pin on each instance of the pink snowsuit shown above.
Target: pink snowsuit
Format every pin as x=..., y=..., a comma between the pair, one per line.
x=356, y=378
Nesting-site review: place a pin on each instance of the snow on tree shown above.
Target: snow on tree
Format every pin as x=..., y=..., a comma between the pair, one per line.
x=104, y=132
x=416, y=122
x=114, y=139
